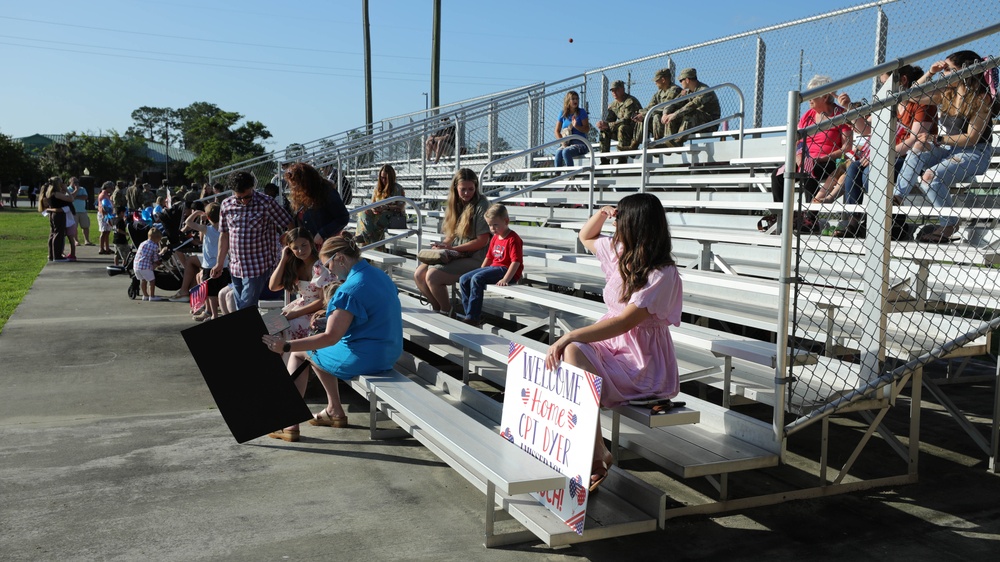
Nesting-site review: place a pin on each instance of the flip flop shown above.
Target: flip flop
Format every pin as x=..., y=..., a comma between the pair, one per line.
x=599, y=471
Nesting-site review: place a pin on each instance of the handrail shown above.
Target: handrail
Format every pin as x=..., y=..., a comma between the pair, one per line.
x=571, y=173
x=649, y=113
x=386, y=201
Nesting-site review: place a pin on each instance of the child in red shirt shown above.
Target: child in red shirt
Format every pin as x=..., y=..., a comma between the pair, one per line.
x=502, y=265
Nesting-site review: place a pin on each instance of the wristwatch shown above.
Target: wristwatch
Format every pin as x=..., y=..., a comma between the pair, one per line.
x=287, y=347
x=939, y=139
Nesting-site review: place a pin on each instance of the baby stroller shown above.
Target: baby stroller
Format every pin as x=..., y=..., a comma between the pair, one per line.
x=169, y=275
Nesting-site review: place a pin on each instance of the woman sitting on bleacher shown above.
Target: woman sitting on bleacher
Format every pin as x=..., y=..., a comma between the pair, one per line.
x=572, y=121
x=817, y=154
x=316, y=202
x=465, y=231
x=963, y=149
x=629, y=347
x=373, y=223
x=364, y=331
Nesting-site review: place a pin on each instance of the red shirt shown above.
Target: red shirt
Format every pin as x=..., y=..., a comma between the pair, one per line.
x=505, y=251
x=823, y=142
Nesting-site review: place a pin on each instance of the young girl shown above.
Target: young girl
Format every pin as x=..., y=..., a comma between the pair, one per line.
x=210, y=245
x=147, y=257
x=630, y=347
x=300, y=272
x=572, y=121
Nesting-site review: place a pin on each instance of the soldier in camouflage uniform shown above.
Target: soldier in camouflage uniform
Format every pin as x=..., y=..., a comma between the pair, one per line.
x=698, y=110
x=666, y=90
x=618, y=122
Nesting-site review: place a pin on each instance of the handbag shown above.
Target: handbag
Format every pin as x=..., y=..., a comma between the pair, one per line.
x=438, y=256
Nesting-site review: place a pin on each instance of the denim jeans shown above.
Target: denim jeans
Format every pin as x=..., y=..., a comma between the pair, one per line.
x=247, y=290
x=473, y=285
x=855, y=183
x=961, y=164
x=564, y=156
x=914, y=164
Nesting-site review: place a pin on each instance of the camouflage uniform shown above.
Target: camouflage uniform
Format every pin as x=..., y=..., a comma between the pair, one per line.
x=621, y=126
x=697, y=110
x=657, y=128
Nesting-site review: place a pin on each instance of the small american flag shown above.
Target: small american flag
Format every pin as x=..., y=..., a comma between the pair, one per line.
x=576, y=522
x=199, y=295
x=507, y=435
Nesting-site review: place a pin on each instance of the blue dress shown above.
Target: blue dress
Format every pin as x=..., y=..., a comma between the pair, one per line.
x=374, y=340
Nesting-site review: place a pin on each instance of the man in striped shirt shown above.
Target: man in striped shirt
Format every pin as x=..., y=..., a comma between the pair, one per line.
x=249, y=225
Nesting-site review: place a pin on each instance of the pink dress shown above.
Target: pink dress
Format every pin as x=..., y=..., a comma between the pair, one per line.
x=309, y=292
x=639, y=363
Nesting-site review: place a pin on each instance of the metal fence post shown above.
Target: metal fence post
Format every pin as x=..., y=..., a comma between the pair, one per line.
x=758, y=85
x=881, y=39
x=492, y=132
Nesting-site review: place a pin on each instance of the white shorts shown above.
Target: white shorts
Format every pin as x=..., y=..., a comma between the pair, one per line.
x=145, y=275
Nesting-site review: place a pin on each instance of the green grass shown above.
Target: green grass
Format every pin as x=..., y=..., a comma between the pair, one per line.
x=24, y=235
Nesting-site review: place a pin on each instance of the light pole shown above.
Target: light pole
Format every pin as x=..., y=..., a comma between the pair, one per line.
x=426, y=103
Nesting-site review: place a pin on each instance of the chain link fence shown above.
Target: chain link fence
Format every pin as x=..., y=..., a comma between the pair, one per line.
x=893, y=239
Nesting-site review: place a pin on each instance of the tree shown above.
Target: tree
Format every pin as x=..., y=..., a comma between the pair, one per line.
x=107, y=157
x=16, y=165
x=221, y=142
x=187, y=117
x=149, y=122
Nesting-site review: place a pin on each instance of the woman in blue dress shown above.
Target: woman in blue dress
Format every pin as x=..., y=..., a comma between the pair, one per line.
x=364, y=331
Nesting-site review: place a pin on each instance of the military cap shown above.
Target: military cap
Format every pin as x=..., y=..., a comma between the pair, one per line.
x=662, y=73
x=617, y=84
x=688, y=73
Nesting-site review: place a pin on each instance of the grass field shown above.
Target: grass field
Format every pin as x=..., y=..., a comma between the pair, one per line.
x=24, y=238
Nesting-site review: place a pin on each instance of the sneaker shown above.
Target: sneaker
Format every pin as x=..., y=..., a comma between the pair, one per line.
x=144, y=299
x=156, y=299
x=179, y=298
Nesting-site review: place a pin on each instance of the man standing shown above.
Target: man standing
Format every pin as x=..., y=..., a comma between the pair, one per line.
x=133, y=197
x=698, y=110
x=618, y=122
x=79, y=194
x=249, y=224
x=666, y=90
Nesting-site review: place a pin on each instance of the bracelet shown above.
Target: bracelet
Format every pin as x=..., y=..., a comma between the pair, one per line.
x=287, y=347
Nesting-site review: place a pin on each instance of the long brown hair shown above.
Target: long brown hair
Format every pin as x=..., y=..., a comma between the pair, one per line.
x=383, y=190
x=54, y=184
x=643, y=238
x=977, y=95
x=290, y=276
x=460, y=217
x=309, y=188
x=567, y=108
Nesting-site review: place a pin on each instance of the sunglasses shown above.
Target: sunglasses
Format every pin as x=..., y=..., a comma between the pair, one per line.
x=330, y=261
x=243, y=197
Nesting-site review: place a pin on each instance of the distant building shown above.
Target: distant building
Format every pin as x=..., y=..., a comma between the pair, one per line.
x=155, y=151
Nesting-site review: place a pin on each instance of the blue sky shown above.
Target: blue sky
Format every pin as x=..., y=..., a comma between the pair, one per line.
x=297, y=66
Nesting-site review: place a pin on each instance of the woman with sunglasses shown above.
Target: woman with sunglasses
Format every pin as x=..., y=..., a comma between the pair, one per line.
x=364, y=331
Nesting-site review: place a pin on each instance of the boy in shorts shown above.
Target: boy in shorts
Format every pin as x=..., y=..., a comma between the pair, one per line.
x=147, y=257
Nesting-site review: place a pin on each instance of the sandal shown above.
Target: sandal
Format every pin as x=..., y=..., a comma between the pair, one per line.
x=599, y=471
x=290, y=435
x=325, y=419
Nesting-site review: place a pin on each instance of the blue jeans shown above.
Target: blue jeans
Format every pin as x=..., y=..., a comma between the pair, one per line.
x=247, y=290
x=855, y=182
x=564, y=156
x=913, y=165
x=950, y=165
x=473, y=286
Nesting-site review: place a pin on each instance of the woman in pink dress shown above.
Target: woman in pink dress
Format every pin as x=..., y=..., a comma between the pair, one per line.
x=630, y=347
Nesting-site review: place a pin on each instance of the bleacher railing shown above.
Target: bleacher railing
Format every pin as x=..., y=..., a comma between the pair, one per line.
x=903, y=302
x=483, y=174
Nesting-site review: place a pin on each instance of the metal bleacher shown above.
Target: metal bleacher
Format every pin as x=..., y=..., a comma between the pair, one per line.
x=781, y=330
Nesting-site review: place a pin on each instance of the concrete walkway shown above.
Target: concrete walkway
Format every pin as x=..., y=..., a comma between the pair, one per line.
x=111, y=449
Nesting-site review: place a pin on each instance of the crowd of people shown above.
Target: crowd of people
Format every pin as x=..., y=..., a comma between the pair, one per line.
x=943, y=137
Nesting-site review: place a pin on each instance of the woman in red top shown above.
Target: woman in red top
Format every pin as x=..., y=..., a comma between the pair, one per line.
x=821, y=149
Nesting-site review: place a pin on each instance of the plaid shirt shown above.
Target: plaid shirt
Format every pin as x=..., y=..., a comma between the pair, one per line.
x=148, y=255
x=253, y=230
